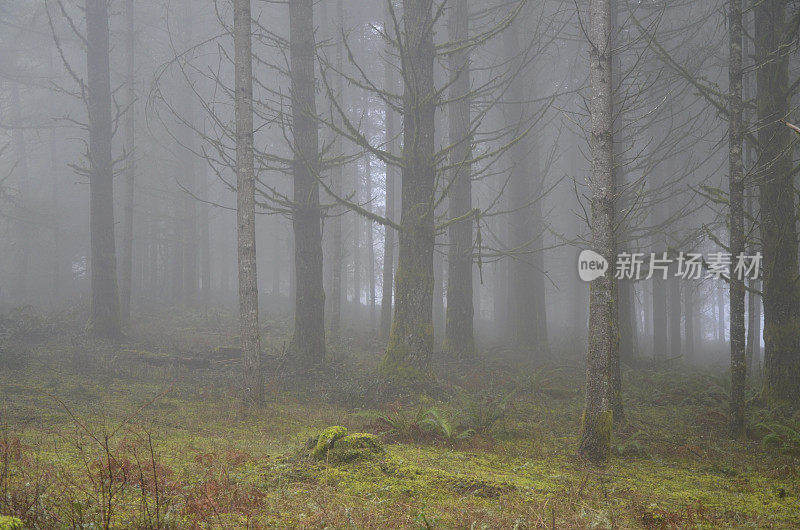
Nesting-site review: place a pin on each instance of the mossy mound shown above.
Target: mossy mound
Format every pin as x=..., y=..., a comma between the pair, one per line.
x=10, y=523
x=334, y=444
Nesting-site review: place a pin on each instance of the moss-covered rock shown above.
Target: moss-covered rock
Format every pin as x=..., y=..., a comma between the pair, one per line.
x=326, y=439
x=10, y=523
x=335, y=445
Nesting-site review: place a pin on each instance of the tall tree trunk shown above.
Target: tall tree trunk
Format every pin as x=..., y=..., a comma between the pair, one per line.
x=126, y=267
x=308, y=341
x=105, y=297
x=389, y=232
x=459, y=335
x=370, y=241
x=204, y=239
x=595, y=441
x=337, y=264
x=688, y=322
x=55, y=194
x=189, y=208
x=778, y=227
x=674, y=319
x=721, y=313
x=23, y=233
x=410, y=344
x=246, y=207
x=753, y=340
x=357, y=221
x=753, y=348
x=277, y=263
x=521, y=281
x=438, y=290
x=659, y=316
x=737, y=243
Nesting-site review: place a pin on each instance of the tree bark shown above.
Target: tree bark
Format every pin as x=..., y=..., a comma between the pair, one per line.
x=674, y=320
x=688, y=322
x=521, y=315
x=737, y=242
x=410, y=344
x=721, y=313
x=308, y=342
x=370, y=239
x=105, y=321
x=389, y=232
x=204, y=239
x=595, y=440
x=659, y=315
x=126, y=267
x=23, y=232
x=246, y=214
x=459, y=321
x=335, y=302
x=781, y=292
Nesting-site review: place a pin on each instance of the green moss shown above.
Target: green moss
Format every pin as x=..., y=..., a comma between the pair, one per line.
x=326, y=439
x=400, y=364
x=10, y=523
x=354, y=447
x=596, y=435
x=334, y=444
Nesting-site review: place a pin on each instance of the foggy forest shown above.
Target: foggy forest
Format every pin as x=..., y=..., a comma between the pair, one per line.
x=399, y=264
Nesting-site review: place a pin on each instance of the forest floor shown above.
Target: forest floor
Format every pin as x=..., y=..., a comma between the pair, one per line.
x=151, y=434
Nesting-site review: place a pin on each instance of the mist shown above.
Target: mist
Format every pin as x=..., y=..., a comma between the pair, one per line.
x=304, y=241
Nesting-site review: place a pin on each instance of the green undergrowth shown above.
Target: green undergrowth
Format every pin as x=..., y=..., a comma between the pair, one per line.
x=167, y=448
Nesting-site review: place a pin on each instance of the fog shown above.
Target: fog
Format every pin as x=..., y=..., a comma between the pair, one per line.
x=400, y=191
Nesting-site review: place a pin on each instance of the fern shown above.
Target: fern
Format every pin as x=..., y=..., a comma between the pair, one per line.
x=780, y=437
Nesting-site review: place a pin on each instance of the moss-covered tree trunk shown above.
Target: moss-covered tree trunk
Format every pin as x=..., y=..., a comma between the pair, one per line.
x=781, y=290
x=308, y=342
x=410, y=344
x=597, y=421
x=246, y=205
x=105, y=321
x=459, y=337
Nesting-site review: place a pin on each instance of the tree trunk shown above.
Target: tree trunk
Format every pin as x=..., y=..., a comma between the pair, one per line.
x=753, y=340
x=356, y=245
x=410, y=344
x=204, y=239
x=105, y=297
x=521, y=282
x=370, y=240
x=721, y=313
x=659, y=316
x=778, y=230
x=246, y=214
x=688, y=322
x=189, y=280
x=459, y=335
x=23, y=233
x=308, y=341
x=336, y=183
x=595, y=441
x=391, y=170
x=737, y=243
x=126, y=267
x=674, y=320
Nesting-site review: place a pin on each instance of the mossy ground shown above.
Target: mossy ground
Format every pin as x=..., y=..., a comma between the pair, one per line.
x=79, y=420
